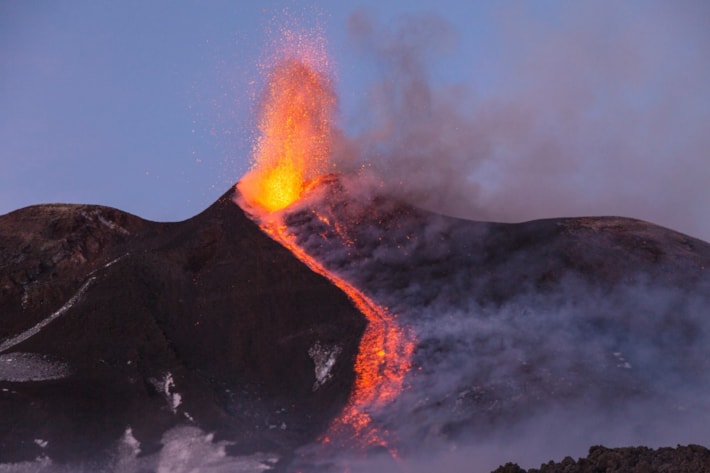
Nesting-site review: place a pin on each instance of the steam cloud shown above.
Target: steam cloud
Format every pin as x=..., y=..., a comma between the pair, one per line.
x=506, y=369
x=605, y=112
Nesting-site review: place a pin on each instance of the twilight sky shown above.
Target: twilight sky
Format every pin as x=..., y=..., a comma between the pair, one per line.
x=536, y=109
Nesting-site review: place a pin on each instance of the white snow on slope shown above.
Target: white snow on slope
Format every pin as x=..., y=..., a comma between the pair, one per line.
x=23, y=367
x=11, y=342
x=166, y=386
x=112, y=262
x=324, y=357
x=41, y=443
x=97, y=215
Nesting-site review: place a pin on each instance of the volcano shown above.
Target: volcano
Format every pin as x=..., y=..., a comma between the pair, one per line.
x=126, y=345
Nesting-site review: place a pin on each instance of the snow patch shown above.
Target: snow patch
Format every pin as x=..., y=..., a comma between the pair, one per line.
x=25, y=297
x=23, y=367
x=324, y=357
x=11, y=342
x=166, y=385
x=41, y=443
x=115, y=260
x=97, y=216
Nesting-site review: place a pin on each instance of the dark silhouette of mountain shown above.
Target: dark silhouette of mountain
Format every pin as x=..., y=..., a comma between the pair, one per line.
x=586, y=328
x=122, y=322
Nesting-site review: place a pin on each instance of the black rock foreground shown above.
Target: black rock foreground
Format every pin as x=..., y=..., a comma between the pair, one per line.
x=683, y=459
x=110, y=322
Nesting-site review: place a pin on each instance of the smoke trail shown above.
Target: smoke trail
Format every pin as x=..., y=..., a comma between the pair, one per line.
x=603, y=113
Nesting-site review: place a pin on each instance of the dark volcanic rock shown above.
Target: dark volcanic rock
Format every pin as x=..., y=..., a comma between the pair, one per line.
x=683, y=459
x=545, y=336
x=205, y=322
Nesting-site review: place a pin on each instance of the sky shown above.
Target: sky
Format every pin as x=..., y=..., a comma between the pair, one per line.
x=535, y=109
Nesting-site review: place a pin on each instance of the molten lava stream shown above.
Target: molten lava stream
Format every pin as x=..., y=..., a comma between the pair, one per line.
x=294, y=147
x=383, y=359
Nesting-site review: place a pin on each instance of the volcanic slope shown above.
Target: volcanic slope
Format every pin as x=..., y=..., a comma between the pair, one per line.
x=116, y=329
x=535, y=339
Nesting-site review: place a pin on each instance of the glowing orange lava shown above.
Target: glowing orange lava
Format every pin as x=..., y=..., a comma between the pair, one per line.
x=383, y=359
x=295, y=126
x=294, y=149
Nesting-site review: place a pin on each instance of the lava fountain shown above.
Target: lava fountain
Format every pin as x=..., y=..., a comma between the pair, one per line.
x=293, y=151
x=295, y=126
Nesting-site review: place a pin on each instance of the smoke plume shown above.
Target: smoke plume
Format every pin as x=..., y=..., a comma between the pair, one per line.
x=533, y=341
x=604, y=112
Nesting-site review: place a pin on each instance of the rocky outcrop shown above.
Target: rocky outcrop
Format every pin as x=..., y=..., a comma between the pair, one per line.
x=138, y=326
x=683, y=459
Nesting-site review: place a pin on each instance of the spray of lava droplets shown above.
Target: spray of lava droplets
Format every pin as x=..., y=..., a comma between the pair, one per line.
x=295, y=126
x=292, y=153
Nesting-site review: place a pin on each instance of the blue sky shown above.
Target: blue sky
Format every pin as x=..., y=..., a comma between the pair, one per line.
x=147, y=106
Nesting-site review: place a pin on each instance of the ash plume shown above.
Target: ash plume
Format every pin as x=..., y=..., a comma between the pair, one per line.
x=603, y=112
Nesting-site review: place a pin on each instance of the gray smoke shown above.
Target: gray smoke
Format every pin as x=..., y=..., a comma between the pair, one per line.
x=604, y=112
x=507, y=368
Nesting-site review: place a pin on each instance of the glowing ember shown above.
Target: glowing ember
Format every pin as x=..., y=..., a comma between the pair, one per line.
x=296, y=126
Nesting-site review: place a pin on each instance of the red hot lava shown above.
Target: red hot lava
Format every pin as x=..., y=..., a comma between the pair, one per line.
x=296, y=126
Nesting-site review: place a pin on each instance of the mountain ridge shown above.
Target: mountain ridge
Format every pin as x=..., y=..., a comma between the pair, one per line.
x=150, y=326
x=175, y=326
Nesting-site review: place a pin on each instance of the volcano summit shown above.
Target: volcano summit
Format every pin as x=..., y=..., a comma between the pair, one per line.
x=129, y=345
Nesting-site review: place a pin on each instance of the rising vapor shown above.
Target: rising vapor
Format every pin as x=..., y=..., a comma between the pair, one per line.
x=605, y=112
x=528, y=345
x=533, y=340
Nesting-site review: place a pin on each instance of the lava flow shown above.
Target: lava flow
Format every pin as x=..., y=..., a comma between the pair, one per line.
x=293, y=150
x=383, y=359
